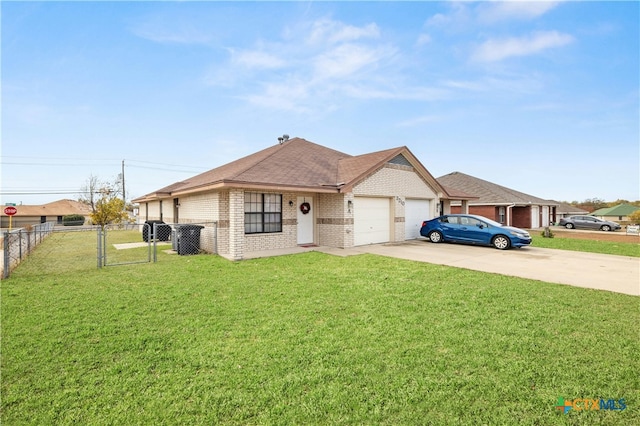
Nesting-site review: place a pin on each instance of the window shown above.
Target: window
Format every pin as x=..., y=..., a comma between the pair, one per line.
x=451, y=219
x=501, y=214
x=262, y=213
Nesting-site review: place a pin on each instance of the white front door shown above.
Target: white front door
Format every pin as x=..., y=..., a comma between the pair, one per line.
x=415, y=212
x=545, y=215
x=535, y=217
x=305, y=221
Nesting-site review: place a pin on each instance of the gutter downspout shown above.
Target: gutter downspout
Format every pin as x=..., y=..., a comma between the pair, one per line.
x=509, y=207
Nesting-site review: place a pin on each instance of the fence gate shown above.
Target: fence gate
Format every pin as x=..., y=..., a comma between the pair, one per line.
x=122, y=245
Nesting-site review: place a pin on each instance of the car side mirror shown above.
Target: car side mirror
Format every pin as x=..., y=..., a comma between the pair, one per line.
x=480, y=226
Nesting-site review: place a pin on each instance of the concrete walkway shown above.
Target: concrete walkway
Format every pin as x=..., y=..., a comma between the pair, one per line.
x=619, y=274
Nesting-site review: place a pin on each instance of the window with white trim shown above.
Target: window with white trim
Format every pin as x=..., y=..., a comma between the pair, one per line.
x=501, y=214
x=262, y=213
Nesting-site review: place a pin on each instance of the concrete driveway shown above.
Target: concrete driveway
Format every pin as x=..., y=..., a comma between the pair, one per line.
x=619, y=274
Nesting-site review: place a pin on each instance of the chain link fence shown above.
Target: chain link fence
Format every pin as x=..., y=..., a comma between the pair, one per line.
x=17, y=244
x=62, y=248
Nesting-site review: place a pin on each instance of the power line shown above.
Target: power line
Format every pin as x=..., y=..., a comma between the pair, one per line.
x=74, y=162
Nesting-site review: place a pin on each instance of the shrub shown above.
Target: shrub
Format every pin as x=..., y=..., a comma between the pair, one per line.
x=73, y=220
x=546, y=233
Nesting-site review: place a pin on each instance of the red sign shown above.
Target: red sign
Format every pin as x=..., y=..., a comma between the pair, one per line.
x=10, y=211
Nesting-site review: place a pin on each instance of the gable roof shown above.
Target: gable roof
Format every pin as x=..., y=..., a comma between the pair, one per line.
x=565, y=208
x=55, y=208
x=619, y=210
x=296, y=164
x=488, y=192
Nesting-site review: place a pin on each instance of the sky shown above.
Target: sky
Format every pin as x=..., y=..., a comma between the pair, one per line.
x=540, y=97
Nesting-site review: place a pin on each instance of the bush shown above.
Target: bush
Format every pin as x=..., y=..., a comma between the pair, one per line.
x=546, y=233
x=73, y=220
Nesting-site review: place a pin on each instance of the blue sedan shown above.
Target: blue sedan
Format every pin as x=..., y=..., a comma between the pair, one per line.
x=472, y=229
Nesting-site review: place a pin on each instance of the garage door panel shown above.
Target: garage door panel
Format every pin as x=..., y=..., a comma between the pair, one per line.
x=371, y=220
x=415, y=212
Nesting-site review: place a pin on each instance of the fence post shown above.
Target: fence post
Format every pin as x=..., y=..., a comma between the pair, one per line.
x=155, y=245
x=20, y=244
x=7, y=256
x=99, y=234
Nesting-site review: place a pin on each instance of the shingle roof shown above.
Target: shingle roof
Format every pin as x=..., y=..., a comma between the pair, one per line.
x=296, y=164
x=564, y=208
x=55, y=208
x=488, y=192
x=619, y=210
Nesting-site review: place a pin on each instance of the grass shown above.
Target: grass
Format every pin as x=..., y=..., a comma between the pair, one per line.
x=631, y=249
x=306, y=339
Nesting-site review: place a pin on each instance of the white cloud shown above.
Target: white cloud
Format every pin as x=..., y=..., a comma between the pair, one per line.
x=257, y=59
x=328, y=63
x=401, y=93
x=289, y=95
x=329, y=31
x=347, y=59
x=162, y=30
x=498, y=49
x=421, y=120
x=423, y=39
x=465, y=15
x=490, y=12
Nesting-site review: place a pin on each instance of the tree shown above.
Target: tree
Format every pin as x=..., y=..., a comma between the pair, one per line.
x=94, y=187
x=635, y=217
x=108, y=209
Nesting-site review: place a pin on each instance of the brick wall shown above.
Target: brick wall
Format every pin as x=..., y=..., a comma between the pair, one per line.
x=490, y=212
x=335, y=220
x=521, y=217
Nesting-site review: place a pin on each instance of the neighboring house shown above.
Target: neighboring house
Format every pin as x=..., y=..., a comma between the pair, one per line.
x=50, y=212
x=500, y=203
x=301, y=193
x=566, y=210
x=619, y=213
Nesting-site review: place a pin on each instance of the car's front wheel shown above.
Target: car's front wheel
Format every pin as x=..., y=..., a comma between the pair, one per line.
x=501, y=242
x=435, y=237
x=569, y=226
x=605, y=228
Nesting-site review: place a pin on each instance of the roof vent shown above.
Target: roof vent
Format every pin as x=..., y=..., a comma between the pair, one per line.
x=283, y=138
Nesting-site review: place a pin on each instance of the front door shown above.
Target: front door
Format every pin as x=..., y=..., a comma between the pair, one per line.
x=305, y=220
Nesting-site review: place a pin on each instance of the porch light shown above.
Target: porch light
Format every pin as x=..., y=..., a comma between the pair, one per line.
x=290, y=203
x=349, y=205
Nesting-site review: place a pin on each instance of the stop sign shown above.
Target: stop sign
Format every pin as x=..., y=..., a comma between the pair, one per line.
x=10, y=211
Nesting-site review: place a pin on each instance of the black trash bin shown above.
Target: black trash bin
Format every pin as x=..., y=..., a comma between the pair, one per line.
x=188, y=239
x=163, y=231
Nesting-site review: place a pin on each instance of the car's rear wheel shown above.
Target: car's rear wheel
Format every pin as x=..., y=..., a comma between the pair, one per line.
x=435, y=237
x=501, y=242
x=569, y=226
x=606, y=228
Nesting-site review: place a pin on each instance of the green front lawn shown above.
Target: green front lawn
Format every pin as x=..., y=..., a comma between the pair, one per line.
x=308, y=339
x=631, y=248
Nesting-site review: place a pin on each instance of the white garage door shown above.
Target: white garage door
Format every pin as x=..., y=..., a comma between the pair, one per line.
x=371, y=220
x=415, y=212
